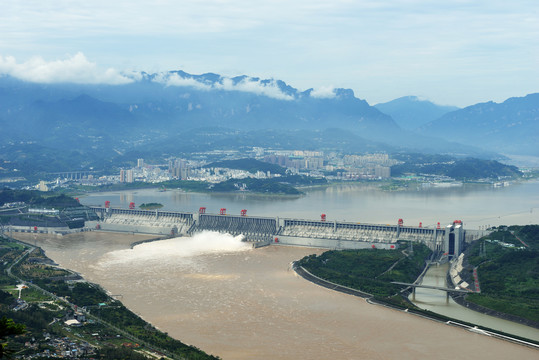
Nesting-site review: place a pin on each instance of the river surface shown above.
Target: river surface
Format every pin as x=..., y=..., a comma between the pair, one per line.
x=236, y=302
x=437, y=301
x=475, y=205
x=241, y=303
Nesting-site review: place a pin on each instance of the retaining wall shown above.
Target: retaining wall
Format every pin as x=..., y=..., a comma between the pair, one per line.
x=330, y=243
x=156, y=230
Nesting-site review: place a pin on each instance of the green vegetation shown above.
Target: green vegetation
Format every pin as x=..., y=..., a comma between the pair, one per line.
x=114, y=329
x=369, y=270
x=114, y=352
x=393, y=185
x=151, y=206
x=508, y=271
x=187, y=185
x=460, y=169
x=284, y=185
x=269, y=186
x=250, y=165
x=37, y=198
x=8, y=327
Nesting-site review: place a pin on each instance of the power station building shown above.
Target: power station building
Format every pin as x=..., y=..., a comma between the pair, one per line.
x=454, y=239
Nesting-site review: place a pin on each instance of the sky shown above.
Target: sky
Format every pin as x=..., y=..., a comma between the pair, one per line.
x=453, y=52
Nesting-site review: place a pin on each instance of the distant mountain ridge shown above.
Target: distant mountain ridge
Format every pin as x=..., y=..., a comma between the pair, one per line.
x=511, y=127
x=63, y=125
x=411, y=112
x=176, y=101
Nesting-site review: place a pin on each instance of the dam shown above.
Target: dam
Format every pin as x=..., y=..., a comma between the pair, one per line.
x=261, y=231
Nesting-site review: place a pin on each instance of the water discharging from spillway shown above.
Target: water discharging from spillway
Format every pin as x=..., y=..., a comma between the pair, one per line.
x=203, y=243
x=437, y=301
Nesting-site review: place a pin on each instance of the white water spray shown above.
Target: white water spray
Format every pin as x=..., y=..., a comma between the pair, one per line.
x=206, y=242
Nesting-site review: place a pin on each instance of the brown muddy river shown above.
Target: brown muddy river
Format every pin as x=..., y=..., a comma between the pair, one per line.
x=241, y=303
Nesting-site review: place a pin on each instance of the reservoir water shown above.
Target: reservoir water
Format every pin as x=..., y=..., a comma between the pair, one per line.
x=475, y=205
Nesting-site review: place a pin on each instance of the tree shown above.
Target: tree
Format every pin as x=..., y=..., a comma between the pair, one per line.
x=8, y=327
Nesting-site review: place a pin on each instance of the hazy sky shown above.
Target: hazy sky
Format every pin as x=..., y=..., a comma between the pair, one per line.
x=451, y=52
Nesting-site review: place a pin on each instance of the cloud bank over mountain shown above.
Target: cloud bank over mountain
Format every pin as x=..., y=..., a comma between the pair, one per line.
x=77, y=93
x=324, y=92
x=269, y=88
x=75, y=69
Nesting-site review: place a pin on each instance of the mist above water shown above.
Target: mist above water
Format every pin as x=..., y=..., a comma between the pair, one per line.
x=206, y=242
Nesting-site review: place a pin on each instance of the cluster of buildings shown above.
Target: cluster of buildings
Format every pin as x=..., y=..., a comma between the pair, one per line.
x=314, y=163
x=176, y=169
x=59, y=347
x=332, y=165
x=216, y=175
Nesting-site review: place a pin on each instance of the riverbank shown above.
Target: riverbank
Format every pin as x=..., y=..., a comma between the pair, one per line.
x=461, y=300
x=413, y=309
x=505, y=261
x=279, y=186
x=99, y=313
x=483, y=310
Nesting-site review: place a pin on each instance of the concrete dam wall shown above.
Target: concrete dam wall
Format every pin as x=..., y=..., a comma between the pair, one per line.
x=266, y=230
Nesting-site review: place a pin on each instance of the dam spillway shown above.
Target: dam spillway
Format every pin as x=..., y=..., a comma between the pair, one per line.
x=266, y=230
x=252, y=228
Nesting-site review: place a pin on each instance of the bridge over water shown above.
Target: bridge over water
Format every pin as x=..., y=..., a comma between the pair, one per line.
x=442, y=288
x=286, y=231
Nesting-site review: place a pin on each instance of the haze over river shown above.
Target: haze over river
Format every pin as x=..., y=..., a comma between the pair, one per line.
x=239, y=303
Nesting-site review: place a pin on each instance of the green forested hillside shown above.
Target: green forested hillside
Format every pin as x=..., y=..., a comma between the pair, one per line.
x=368, y=270
x=460, y=169
x=37, y=198
x=508, y=271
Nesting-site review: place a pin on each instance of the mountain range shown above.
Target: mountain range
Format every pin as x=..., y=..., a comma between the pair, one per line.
x=511, y=127
x=154, y=108
x=411, y=112
x=176, y=112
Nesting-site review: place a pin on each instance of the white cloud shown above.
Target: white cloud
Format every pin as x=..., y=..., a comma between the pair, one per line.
x=267, y=88
x=76, y=69
x=324, y=92
x=176, y=80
